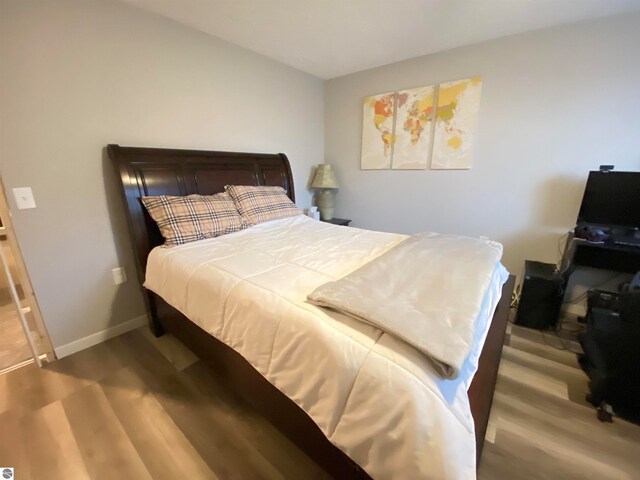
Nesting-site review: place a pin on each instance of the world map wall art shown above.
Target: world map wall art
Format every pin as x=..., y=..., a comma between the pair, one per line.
x=402, y=130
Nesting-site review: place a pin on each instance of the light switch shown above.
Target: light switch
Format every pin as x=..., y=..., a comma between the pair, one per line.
x=24, y=198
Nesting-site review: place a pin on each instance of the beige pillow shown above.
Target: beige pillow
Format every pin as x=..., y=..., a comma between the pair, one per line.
x=193, y=217
x=261, y=204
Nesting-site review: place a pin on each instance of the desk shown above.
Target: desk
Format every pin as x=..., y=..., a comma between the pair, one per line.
x=606, y=256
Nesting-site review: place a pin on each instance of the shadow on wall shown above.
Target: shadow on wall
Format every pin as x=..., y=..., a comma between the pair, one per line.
x=559, y=202
x=128, y=301
x=530, y=246
x=552, y=216
x=312, y=174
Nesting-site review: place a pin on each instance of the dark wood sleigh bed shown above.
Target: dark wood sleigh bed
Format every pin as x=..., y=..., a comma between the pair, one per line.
x=152, y=171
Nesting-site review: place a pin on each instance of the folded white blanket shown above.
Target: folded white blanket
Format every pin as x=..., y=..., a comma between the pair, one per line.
x=407, y=292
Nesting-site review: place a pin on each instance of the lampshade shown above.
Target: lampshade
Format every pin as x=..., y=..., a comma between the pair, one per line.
x=324, y=177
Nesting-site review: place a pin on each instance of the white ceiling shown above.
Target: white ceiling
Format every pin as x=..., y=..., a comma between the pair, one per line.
x=330, y=38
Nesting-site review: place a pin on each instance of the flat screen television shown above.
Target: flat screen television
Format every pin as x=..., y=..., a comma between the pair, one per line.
x=611, y=198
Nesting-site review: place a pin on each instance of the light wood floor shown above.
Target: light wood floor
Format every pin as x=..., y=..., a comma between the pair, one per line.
x=14, y=348
x=136, y=407
x=541, y=426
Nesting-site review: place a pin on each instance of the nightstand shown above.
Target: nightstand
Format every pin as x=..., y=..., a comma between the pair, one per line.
x=339, y=221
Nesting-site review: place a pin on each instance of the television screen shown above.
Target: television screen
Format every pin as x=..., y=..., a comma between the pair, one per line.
x=611, y=198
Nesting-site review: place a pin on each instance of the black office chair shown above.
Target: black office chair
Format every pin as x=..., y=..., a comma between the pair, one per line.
x=612, y=361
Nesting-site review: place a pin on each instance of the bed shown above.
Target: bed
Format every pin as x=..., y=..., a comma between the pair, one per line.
x=145, y=171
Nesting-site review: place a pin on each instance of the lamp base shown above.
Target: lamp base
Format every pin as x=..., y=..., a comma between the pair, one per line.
x=326, y=201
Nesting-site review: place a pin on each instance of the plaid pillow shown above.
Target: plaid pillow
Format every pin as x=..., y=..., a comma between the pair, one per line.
x=194, y=217
x=261, y=204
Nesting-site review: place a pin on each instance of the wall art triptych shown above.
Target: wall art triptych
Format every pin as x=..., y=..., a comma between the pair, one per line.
x=404, y=130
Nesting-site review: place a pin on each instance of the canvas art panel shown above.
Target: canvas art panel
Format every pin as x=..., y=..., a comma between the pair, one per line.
x=378, y=116
x=413, y=131
x=455, y=124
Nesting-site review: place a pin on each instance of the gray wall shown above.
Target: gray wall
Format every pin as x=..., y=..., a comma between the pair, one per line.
x=77, y=75
x=556, y=103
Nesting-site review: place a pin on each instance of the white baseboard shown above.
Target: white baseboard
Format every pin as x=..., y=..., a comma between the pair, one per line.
x=99, y=337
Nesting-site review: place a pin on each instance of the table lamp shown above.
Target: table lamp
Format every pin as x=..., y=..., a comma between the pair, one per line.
x=326, y=184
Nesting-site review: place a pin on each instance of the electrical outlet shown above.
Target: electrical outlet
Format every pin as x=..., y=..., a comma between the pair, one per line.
x=119, y=275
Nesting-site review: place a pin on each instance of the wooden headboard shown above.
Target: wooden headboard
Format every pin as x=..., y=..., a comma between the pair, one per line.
x=159, y=171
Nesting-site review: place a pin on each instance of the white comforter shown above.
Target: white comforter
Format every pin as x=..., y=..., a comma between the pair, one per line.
x=374, y=396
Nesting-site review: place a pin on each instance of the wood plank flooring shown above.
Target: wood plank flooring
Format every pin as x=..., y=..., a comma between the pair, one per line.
x=541, y=426
x=137, y=407
x=14, y=348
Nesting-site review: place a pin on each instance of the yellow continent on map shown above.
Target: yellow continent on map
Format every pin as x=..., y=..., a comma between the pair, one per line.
x=448, y=98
